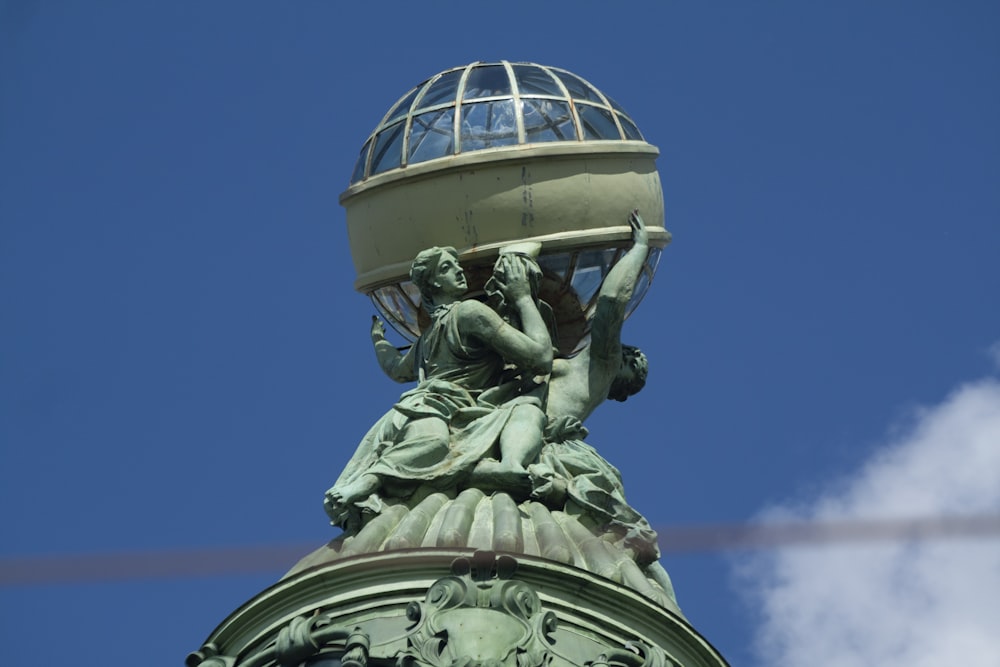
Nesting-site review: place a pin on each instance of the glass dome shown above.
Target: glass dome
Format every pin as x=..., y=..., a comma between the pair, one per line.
x=492, y=153
x=491, y=105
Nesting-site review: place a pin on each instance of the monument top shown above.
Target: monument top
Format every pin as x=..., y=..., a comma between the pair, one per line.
x=506, y=218
x=491, y=105
x=488, y=154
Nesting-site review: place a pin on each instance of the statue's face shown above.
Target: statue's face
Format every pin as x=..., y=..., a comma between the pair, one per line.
x=450, y=279
x=627, y=374
x=631, y=375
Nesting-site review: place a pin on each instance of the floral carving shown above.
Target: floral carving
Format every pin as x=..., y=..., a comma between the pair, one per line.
x=479, y=617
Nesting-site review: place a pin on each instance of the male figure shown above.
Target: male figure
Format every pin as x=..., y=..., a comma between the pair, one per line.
x=568, y=469
x=605, y=368
x=458, y=359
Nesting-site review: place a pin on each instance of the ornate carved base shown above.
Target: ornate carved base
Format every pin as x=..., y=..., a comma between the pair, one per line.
x=448, y=608
x=473, y=520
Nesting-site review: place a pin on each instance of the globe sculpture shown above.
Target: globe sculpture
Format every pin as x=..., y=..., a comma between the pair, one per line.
x=484, y=155
x=505, y=218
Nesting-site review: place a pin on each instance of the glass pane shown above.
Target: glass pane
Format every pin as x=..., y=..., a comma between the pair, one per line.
x=536, y=81
x=591, y=268
x=488, y=124
x=359, y=166
x=617, y=107
x=388, y=149
x=431, y=135
x=586, y=282
x=442, y=90
x=547, y=120
x=402, y=107
x=578, y=88
x=597, y=123
x=403, y=307
x=413, y=294
x=392, y=306
x=654, y=259
x=489, y=81
x=556, y=265
x=631, y=131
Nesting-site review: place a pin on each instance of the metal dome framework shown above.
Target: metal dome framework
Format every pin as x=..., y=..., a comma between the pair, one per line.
x=479, y=156
x=491, y=105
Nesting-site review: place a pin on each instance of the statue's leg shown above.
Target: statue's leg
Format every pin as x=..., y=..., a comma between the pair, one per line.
x=419, y=443
x=521, y=439
x=433, y=431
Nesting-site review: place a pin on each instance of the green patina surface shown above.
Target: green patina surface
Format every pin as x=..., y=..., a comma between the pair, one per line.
x=495, y=411
x=479, y=526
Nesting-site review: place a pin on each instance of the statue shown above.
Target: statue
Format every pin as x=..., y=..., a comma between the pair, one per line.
x=464, y=407
x=604, y=368
x=482, y=461
x=568, y=469
x=493, y=410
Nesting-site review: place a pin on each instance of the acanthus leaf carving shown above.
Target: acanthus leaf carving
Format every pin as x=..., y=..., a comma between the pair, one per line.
x=300, y=639
x=635, y=654
x=479, y=617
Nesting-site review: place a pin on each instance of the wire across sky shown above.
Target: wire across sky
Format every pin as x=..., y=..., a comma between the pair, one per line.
x=223, y=561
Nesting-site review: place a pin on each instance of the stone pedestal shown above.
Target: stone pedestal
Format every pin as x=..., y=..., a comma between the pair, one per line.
x=436, y=607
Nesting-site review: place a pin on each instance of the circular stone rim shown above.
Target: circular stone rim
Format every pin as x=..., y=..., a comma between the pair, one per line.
x=460, y=161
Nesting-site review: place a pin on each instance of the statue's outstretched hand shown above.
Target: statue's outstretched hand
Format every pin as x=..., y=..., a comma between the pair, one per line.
x=378, y=329
x=639, y=234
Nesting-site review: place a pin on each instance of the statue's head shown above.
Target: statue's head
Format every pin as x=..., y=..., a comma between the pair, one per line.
x=436, y=273
x=631, y=375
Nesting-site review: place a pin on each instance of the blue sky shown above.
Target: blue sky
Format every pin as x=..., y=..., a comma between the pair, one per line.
x=185, y=365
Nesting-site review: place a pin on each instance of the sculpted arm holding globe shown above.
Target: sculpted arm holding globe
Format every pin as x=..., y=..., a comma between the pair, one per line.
x=605, y=368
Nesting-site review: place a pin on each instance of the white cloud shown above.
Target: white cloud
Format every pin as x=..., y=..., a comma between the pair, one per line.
x=920, y=604
x=994, y=352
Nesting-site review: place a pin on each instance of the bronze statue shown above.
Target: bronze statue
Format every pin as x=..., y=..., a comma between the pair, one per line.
x=569, y=470
x=604, y=368
x=462, y=410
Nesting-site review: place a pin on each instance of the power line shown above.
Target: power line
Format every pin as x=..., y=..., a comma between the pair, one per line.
x=185, y=563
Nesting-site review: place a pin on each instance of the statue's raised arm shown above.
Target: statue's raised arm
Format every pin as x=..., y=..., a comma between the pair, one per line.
x=616, y=292
x=605, y=368
x=568, y=470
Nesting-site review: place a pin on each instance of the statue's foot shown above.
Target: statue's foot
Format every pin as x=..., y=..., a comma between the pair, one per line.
x=340, y=497
x=491, y=475
x=334, y=506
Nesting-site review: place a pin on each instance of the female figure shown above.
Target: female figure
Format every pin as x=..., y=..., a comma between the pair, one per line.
x=460, y=412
